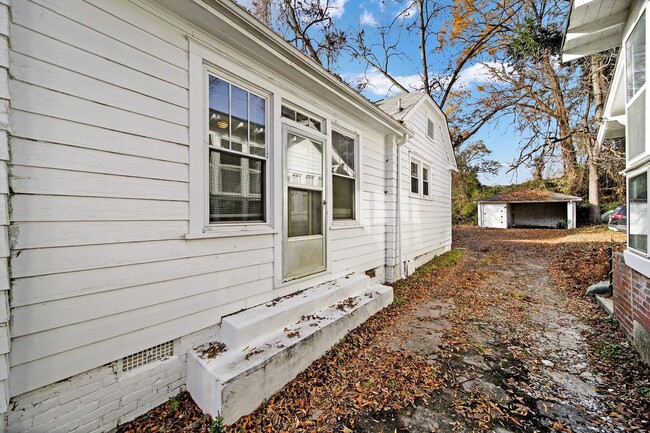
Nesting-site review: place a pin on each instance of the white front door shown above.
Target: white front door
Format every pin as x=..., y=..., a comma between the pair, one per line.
x=304, y=240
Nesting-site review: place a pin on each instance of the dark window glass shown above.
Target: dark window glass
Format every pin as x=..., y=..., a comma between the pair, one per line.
x=638, y=215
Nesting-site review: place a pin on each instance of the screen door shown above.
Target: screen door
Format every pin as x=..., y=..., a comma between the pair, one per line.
x=304, y=246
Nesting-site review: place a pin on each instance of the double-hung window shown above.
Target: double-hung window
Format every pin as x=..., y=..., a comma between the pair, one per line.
x=237, y=153
x=425, y=180
x=344, y=176
x=415, y=176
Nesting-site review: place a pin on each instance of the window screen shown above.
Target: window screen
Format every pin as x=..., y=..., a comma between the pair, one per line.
x=237, y=143
x=343, y=176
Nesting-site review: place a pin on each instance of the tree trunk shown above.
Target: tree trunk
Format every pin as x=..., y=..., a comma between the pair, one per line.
x=597, y=87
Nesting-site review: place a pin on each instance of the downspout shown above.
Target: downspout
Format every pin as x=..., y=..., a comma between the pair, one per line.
x=398, y=219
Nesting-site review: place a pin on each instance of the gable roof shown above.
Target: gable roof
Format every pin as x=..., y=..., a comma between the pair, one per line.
x=529, y=196
x=401, y=106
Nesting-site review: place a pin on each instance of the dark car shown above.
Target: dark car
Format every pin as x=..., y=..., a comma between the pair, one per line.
x=618, y=220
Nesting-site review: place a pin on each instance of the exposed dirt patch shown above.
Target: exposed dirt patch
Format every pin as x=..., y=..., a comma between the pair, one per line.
x=501, y=341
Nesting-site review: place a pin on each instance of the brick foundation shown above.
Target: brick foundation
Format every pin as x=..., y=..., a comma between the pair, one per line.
x=632, y=305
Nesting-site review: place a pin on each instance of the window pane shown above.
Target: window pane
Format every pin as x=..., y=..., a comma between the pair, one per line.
x=638, y=214
x=257, y=126
x=288, y=113
x=219, y=117
x=305, y=213
x=342, y=154
x=415, y=181
x=425, y=181
x=636, y=127
x=343, y=198
x=635, y=58
x=304, y=161
x=239, y=118
x=236, y=188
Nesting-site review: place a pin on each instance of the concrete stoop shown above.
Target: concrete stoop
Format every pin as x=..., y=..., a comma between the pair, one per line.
x=268, y=345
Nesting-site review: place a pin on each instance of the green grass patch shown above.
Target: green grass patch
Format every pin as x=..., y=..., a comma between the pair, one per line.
x=447, y=259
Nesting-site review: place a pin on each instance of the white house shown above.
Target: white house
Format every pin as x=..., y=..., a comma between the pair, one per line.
x=174, y=174
x=595, y=26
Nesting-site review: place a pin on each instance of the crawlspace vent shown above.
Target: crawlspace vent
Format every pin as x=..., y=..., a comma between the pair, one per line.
x=161, y=351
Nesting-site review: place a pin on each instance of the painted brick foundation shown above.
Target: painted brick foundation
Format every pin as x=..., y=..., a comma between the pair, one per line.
x=100, y=399
x=632, y=305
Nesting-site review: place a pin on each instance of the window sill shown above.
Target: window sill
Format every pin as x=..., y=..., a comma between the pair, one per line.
x=231, y=232
x=637, y=262
x=345, y=225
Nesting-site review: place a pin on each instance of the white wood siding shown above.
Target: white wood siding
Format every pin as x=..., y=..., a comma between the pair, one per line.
x=426, y=221
x=100, y=264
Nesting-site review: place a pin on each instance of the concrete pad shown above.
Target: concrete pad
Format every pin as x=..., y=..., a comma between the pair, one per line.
x=236, y=382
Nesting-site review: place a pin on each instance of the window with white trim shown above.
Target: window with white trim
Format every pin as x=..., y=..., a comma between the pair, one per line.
x=426, y=172
x=637, y=191
x=237, y=153
x=430, y=130
x=415, y=176
x=635, y=77
x=344, y=176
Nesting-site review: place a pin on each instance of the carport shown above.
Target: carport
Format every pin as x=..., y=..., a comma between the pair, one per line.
x=528, y=208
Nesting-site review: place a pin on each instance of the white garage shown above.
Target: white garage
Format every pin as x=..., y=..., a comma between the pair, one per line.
x=529, y=208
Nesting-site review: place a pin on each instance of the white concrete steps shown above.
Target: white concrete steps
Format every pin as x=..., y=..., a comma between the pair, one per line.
x=237, y=381
x=245, y=327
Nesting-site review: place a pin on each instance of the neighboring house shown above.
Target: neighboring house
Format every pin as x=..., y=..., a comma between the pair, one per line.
x=595, y=26
x=528, y=208
x=174, y=174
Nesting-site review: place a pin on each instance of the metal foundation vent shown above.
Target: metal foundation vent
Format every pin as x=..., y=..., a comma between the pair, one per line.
x=161, y=351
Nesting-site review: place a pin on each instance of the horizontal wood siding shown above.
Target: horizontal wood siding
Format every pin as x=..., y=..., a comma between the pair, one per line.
x=100, y=266
x=363, y=247
x=426, y=221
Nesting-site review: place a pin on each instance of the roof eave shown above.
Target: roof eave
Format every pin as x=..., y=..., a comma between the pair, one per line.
x=595, y=34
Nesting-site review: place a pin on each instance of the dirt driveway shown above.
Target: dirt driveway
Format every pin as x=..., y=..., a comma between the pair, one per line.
x=511, y=337
x=494, y=336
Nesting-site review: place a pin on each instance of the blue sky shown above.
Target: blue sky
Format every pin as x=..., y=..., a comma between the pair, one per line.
x=501, y=137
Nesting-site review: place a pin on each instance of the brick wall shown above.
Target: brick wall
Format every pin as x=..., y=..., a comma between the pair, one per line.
x=632, y=304
x=100, y=399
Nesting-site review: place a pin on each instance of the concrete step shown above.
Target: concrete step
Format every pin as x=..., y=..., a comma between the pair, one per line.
x=237, y=381
x=243, y=328
x=607, y=304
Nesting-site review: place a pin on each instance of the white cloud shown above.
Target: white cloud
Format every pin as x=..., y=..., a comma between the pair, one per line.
x=336, y=8
x=368, y=19
x=408, y=12
x=479, y=73
x=380, y=86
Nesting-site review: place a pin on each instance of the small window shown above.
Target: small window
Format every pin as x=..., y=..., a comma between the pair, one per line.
x=237, y=148
x=415, y=177
x=302, y=118
x=638, y=212
x=430, y=128
x=344, y=176
x=425, y=181
x=635, y=58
